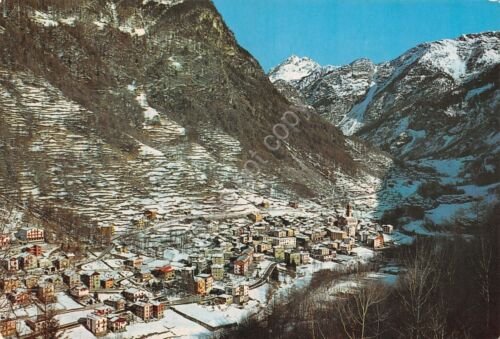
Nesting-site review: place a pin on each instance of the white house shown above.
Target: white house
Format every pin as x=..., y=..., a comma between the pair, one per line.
x=97, y=325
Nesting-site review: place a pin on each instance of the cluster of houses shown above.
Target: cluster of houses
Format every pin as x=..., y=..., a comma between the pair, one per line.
x=120, y=309
x=33, y=277
x=294, y=241
x=217, y=269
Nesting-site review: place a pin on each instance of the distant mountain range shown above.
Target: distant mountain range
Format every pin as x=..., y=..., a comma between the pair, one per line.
x=438, y=100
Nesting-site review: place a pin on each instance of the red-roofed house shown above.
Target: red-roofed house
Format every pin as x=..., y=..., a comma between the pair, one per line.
x=166, y=272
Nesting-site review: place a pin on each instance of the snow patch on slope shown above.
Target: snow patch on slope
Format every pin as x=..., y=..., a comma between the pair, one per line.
x=134, y=31
x=163, y=2
x=150, y=151
x=68, y=21
x=444, y=56
x=149, y=112
x=45, y=19
x=489, y=57
x=476, y=91
x=446, y=167
x=100, y=24
x=447, y=212
x=354, y=120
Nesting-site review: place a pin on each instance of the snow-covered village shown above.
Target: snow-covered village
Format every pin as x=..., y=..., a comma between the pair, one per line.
x=188, y=276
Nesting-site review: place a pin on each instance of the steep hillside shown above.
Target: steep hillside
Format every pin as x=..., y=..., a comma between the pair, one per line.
x=111, y=107
x=179, y=52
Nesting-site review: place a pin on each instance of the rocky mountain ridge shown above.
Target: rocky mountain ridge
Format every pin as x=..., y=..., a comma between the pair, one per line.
x=437, y=100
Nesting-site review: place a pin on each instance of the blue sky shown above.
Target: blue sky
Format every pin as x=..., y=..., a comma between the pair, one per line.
x=339, y=31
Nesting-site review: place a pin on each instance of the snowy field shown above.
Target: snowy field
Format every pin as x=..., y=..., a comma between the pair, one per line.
x=172, y=325
x=65, y=302
x=73, y=317
x=219, y=315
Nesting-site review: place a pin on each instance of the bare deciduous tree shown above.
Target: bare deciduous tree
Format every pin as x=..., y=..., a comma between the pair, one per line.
x=51, y=326
x=417, y=288
x=360, y=313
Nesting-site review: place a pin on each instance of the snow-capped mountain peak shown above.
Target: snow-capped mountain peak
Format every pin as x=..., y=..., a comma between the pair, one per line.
x=294, y=69
x=430, y=101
